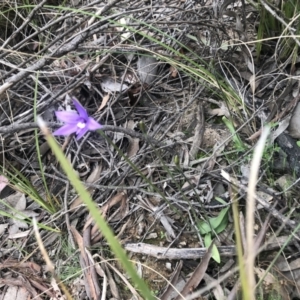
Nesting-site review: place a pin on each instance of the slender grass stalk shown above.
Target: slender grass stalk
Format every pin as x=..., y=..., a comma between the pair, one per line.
x=292, y=235
x=235, y=137
x=250, y=255
x=20, y=183
x=18, y=214
x=94, y=211
x=37, y=146
x=48, y=261
x=238, y=244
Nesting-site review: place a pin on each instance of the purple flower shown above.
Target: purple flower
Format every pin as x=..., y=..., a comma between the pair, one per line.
x=79, y=123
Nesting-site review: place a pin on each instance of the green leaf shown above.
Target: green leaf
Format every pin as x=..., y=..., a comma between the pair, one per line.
x=204, y=227
x=218, y=221
x=192, y=38
x=215, y=252
x=221, y=200
x=213, y=223
x=222, y=225
x=235, y=137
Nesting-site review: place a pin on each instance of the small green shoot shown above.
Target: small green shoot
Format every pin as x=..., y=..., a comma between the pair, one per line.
x=14, y=214
x=212, y=227
x=236, y=139
x=215, y=224
x=20, y=183
x=215, y=252
x=70, y=269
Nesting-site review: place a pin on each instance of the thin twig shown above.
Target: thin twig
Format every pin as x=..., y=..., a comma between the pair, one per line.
x=25, y=126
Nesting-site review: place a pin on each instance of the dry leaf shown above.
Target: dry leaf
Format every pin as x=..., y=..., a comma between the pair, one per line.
x=221, y=111
x=21, y=203
x=16, y=293
x=173, y=71
x=147, y=68
x=252, y=83
x=19, y=234
x=3, y=182
x=111, y=86
x=104, y=102
x=133, y=147
x=294, y=128
x=3, y=227
x=197, y=275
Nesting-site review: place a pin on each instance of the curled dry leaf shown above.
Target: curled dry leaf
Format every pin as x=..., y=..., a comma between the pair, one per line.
x=173, y=72
x=252, y=82
x=18, y=235
x=110, y=85
x=3, y=182
x=217, y=291
x=294, y=128
x=134, y=145
x=56, y=289
x=147, y=68
x=221, y=111
x=16, y=293
x=199, y=132
x=104, y=102
x=3, y=227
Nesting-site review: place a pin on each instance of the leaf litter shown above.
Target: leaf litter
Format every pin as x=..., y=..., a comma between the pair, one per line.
x=133, y=73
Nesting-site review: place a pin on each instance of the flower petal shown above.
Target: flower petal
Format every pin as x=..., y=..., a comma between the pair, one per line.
x=65, y=130
x=92, y=124
x=81, y=110
x=67, y=116
x=82, y=132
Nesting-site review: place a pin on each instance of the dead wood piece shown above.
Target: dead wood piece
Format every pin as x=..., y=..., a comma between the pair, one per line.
x=194, y=253
x=174, y=253
x=199, y=132
x=290, y=147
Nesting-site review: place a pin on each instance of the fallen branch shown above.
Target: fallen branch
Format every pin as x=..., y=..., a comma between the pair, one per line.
x=25, y=126
x=192, y=253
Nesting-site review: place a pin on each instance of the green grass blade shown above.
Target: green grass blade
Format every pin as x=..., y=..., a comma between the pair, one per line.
x=98, y=218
